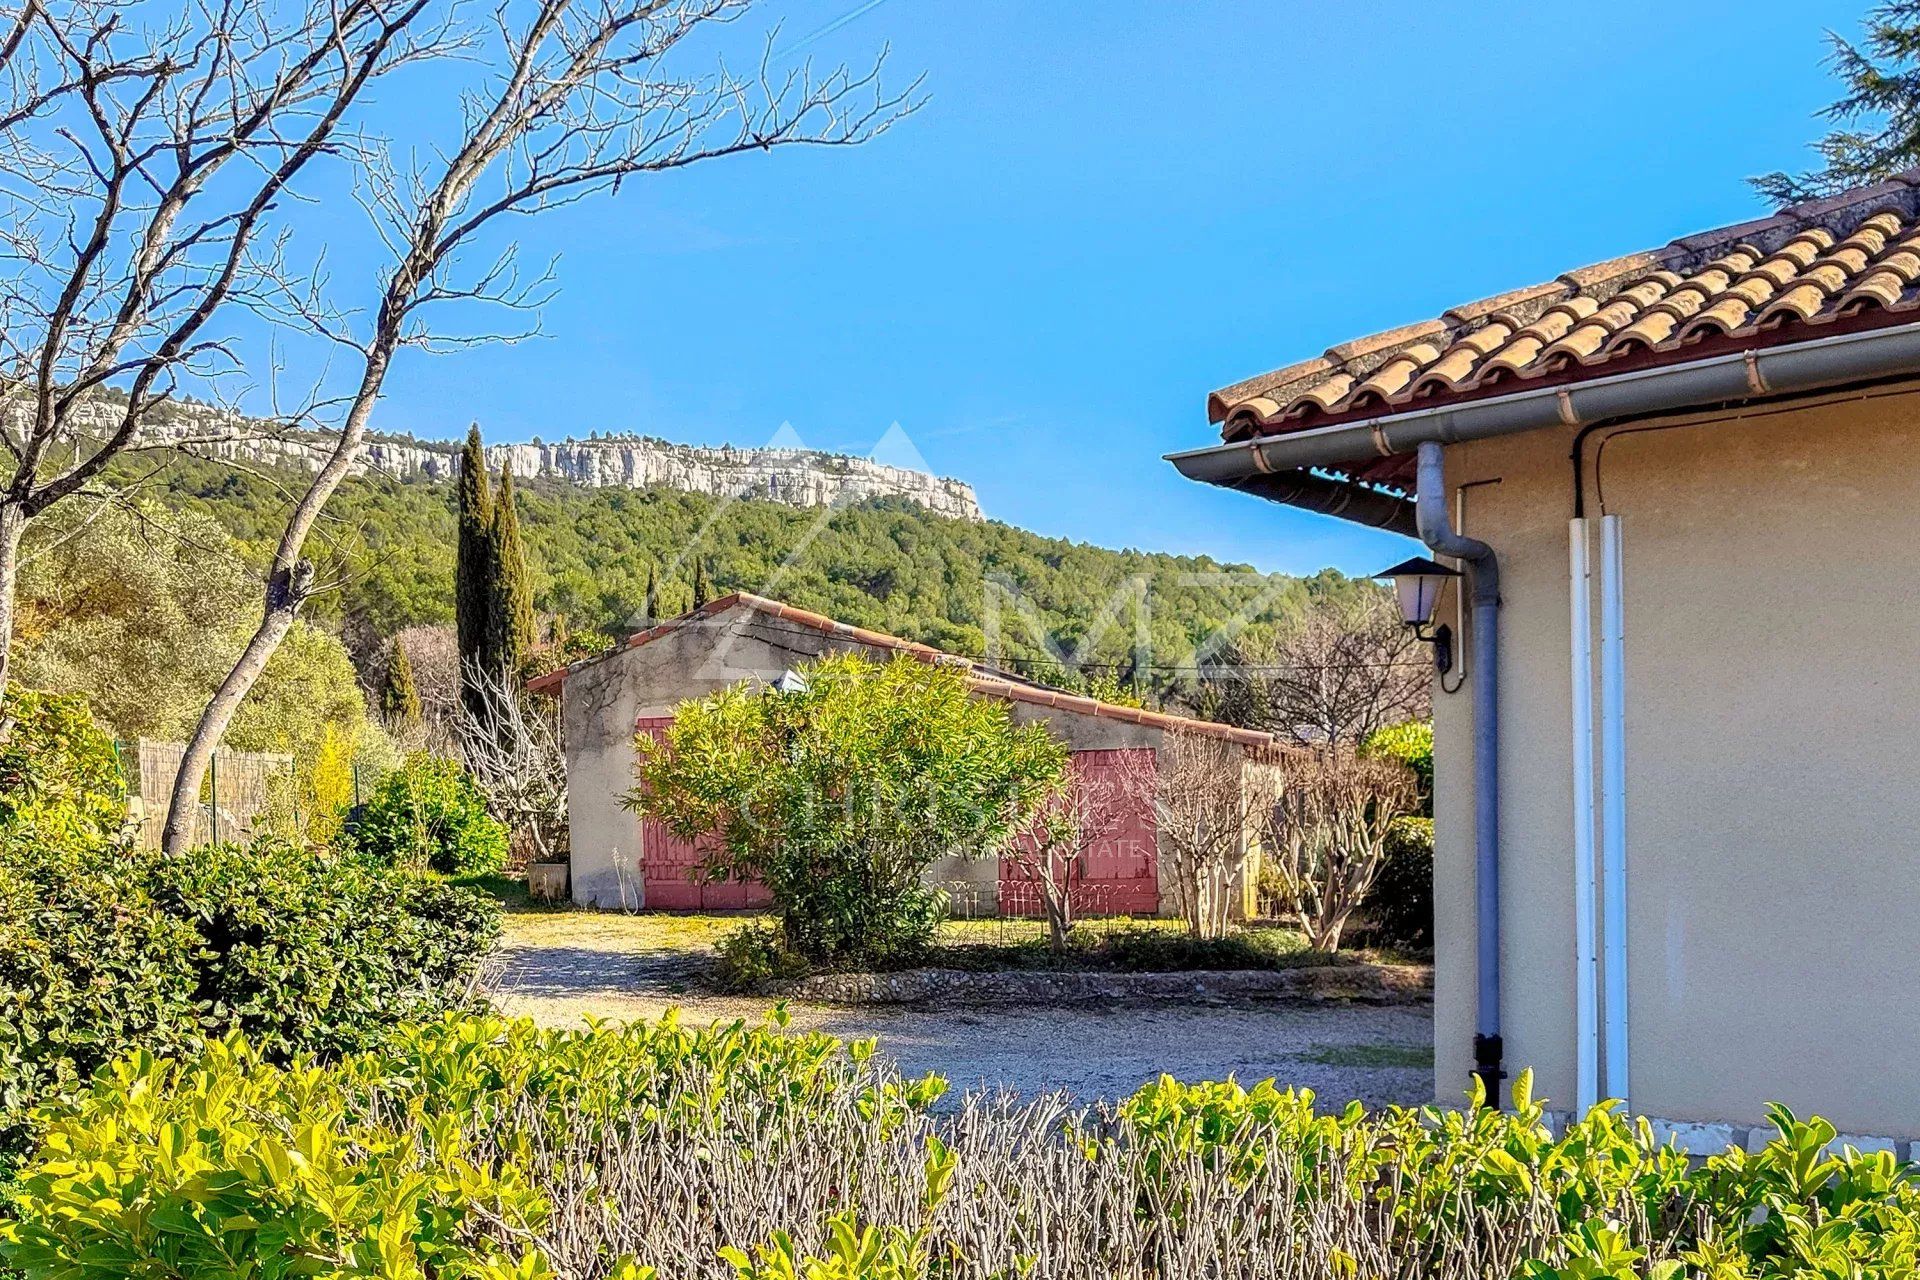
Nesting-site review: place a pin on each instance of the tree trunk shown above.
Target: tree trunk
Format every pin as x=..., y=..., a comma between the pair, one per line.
x=288, y=584
x=184, y=805
x=13, y=523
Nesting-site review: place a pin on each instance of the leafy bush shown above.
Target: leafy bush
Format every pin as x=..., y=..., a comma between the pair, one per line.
x=483, y=1149
x=838, y=796
x=754, y=956
x=1410, y=743
x=1400, y=904
x=440, y=1155
x=105, y=947
x=59, y=774
x=429, y=813
x=1139, y=948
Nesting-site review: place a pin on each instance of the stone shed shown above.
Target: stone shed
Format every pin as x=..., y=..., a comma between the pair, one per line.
x=621, y=861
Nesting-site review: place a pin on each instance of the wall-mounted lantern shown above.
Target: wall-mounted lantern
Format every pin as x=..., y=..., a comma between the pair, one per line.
x=1417, y=583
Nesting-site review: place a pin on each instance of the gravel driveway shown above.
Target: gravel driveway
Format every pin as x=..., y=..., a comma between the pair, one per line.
x=557, y=968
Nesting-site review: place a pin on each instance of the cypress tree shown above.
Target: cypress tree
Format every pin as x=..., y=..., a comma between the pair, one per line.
x=472, y=567
x=400, y=697
x=652, y=608
x=510, y=612
x=701, y=591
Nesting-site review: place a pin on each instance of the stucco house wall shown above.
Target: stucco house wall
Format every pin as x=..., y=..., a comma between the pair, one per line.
x=1772, y=690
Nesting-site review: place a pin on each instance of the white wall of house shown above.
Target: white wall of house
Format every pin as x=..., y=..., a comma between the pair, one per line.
x=1773, y=691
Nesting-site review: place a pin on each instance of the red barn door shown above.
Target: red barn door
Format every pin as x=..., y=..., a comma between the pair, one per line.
x=1120, y=874
x=669, y=865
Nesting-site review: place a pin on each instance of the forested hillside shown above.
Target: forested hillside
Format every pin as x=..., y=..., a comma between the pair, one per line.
x=887, y=564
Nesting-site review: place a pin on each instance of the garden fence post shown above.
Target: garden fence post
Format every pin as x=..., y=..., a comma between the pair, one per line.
x=354, y=768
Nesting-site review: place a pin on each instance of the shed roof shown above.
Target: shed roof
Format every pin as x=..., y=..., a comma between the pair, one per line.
x=984, y=679
x=1828, y=266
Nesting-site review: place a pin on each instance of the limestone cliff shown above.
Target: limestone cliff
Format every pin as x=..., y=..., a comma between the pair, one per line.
x=798, y=477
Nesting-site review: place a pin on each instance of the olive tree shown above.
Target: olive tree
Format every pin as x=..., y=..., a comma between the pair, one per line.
x=837, y=796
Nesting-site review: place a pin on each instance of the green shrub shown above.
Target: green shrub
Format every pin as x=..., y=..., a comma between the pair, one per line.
x=756, y=956
x=1410, y=743
x=838, y=796
x=422, y=1159
x=105, y=947
x=485, y=1149
x=429, y=813
x=59, y=774
x=1400, y=903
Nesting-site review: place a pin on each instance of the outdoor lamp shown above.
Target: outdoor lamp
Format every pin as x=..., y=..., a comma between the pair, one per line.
x=1417, y=583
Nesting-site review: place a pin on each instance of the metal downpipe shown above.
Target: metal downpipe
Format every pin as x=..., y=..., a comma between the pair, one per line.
x=1437, y=531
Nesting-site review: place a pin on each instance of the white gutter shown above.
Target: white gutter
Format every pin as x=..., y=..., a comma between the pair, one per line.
x=1586, y=976
x=1613, y=802
x=1742, y=375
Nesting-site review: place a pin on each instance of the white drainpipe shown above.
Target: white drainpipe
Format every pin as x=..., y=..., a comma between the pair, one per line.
x=1613, y=804
x=1586, y=975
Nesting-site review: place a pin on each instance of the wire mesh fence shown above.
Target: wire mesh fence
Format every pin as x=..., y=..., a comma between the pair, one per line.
x=1012, y=910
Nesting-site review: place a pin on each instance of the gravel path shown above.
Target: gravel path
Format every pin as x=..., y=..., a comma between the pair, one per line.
x=558, y=968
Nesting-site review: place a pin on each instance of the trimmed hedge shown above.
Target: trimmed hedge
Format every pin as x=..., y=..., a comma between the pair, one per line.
x=1400, y=903
x=109, y=948
x=485, y=1149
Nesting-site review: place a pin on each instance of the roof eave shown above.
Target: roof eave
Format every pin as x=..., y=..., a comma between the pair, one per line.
x=1782, y=370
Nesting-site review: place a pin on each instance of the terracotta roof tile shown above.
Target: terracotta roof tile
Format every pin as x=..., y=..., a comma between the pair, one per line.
x=1769, y=281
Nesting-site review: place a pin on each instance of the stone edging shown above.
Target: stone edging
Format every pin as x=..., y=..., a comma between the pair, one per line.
x=1362, y=983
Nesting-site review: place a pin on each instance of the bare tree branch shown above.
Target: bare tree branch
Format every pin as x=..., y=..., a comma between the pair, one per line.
x=576, y=98
x=1335, y=676
x=511, y=745
x=143, y=158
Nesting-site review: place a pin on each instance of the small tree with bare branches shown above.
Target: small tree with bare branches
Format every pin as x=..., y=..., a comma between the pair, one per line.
x=511, y=745
x=1087, y=812
x=147, y=157
x=1213, y=807
x=571, y=99
x=1330, y=677
x=1331, y=831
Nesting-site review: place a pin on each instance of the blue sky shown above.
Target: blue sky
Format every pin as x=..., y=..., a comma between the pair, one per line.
x=1104, y=211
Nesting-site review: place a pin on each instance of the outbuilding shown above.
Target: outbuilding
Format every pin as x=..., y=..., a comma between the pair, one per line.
x=621, y=861
x=1675, y=782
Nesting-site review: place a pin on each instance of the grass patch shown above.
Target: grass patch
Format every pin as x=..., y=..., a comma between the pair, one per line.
x=1371, y=1055
x=511, y=893
x=686, y=935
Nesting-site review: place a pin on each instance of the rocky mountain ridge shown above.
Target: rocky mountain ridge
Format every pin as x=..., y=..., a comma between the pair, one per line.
x=796, y=477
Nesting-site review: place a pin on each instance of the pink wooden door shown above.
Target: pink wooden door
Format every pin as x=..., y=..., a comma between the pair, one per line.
x=1119, y=875
x=669, y=865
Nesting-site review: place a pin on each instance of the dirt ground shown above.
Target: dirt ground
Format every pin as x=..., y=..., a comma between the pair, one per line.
x=558, y=967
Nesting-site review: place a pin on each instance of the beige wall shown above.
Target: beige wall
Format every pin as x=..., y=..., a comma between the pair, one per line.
x=1773, y=692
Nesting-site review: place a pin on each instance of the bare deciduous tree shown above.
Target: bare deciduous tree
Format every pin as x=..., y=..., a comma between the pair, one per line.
x=1331, y=834
x=573, y=98
x=1088, y=812
x=146, y=158
x=1344, y=670
x=1213, y=806
x=511, y=744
